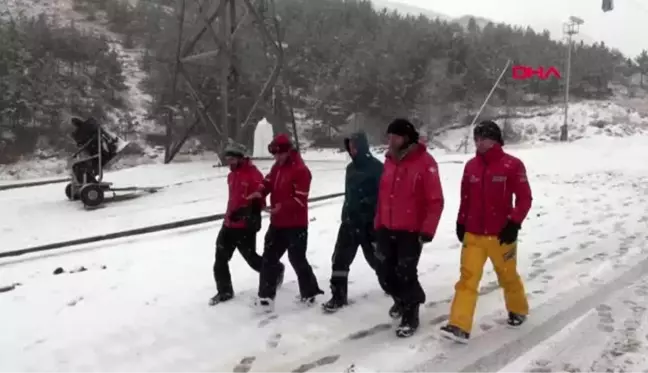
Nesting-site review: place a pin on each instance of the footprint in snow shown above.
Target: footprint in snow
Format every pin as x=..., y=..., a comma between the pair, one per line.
x=326, y=360
x=641, y=292
x=369, y=332
x=606, y=319
x=535, y=273
x=267, y=320
x=485, y=327
x=75, y=301
x=273, y=341
x=538, y=369
x=585, y=245
x=489, y=288
x=603, y=308
x=605, y=328
x=585, y=260
x=244, y=365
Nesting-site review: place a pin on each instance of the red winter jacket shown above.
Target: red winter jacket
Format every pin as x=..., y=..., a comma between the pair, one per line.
x=288, y=185
x=410, y=196
x=242, y=181
x=487, y=188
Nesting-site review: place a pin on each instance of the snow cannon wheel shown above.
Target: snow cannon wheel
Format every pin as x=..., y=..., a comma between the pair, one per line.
x=92, y=195
x=68, y=193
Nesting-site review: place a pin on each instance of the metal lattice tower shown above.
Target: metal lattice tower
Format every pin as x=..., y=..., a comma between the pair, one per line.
x=221, y=22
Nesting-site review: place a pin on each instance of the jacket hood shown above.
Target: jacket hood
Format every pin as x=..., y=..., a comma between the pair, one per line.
x=360, y=142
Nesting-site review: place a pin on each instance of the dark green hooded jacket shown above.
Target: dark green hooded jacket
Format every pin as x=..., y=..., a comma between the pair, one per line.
x=361, y=184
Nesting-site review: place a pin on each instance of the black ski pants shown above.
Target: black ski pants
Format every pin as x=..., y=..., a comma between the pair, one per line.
x=278, y=241
x=230, y=239
x=349, y=237
x=398, y=254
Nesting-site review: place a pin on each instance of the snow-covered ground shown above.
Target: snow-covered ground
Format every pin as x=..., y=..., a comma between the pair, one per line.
x=141, y=303
x=191, y=190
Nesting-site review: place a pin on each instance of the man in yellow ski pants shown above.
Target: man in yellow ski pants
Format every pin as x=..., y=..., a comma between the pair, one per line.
x=488, y=225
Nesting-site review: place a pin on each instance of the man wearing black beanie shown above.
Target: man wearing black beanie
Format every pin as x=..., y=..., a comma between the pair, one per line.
x=487, y=226
x=410, y=202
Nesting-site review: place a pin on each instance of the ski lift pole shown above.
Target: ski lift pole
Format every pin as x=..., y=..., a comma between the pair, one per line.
x=472, y=124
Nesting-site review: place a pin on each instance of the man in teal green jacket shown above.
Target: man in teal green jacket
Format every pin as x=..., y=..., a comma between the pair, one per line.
x=360, y=197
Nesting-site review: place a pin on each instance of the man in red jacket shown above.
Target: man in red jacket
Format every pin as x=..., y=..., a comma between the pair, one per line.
x=488, y=225
x=241, y=224
x=410, y=203
x=288, y=185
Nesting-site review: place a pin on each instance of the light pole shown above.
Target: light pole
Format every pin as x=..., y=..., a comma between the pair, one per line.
x=569, y=29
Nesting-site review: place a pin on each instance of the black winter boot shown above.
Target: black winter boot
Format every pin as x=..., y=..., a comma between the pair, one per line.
x=455, y=333
x=339, y=288
x=409, y=322
x=219, y=298
x=396, y=310
x=334, y=304
x=515, y=319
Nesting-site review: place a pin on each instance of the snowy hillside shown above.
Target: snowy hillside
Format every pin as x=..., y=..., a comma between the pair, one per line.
x=542, y=124
x=135, y=120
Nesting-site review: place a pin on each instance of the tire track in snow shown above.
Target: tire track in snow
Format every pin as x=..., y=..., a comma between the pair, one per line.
x=613, y=335
x=547, y=320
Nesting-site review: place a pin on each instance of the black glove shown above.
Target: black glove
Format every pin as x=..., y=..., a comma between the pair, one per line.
x=425, y=238
x=254, y=216
x=461, y=232
x=509, y=234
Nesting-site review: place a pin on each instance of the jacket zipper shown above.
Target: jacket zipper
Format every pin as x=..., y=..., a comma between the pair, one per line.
x=232, y=187
x=276, y=182
x=391, y=197
x=483, y=197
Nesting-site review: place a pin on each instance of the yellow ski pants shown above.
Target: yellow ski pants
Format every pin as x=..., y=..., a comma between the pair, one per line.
x=476, y=249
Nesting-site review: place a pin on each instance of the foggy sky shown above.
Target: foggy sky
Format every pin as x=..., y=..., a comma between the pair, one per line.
x=624, y=28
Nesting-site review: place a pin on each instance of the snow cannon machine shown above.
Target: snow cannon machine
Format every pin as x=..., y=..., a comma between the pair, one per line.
x=97, y=150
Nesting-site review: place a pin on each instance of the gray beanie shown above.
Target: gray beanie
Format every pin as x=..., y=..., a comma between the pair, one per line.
x=234, y=149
